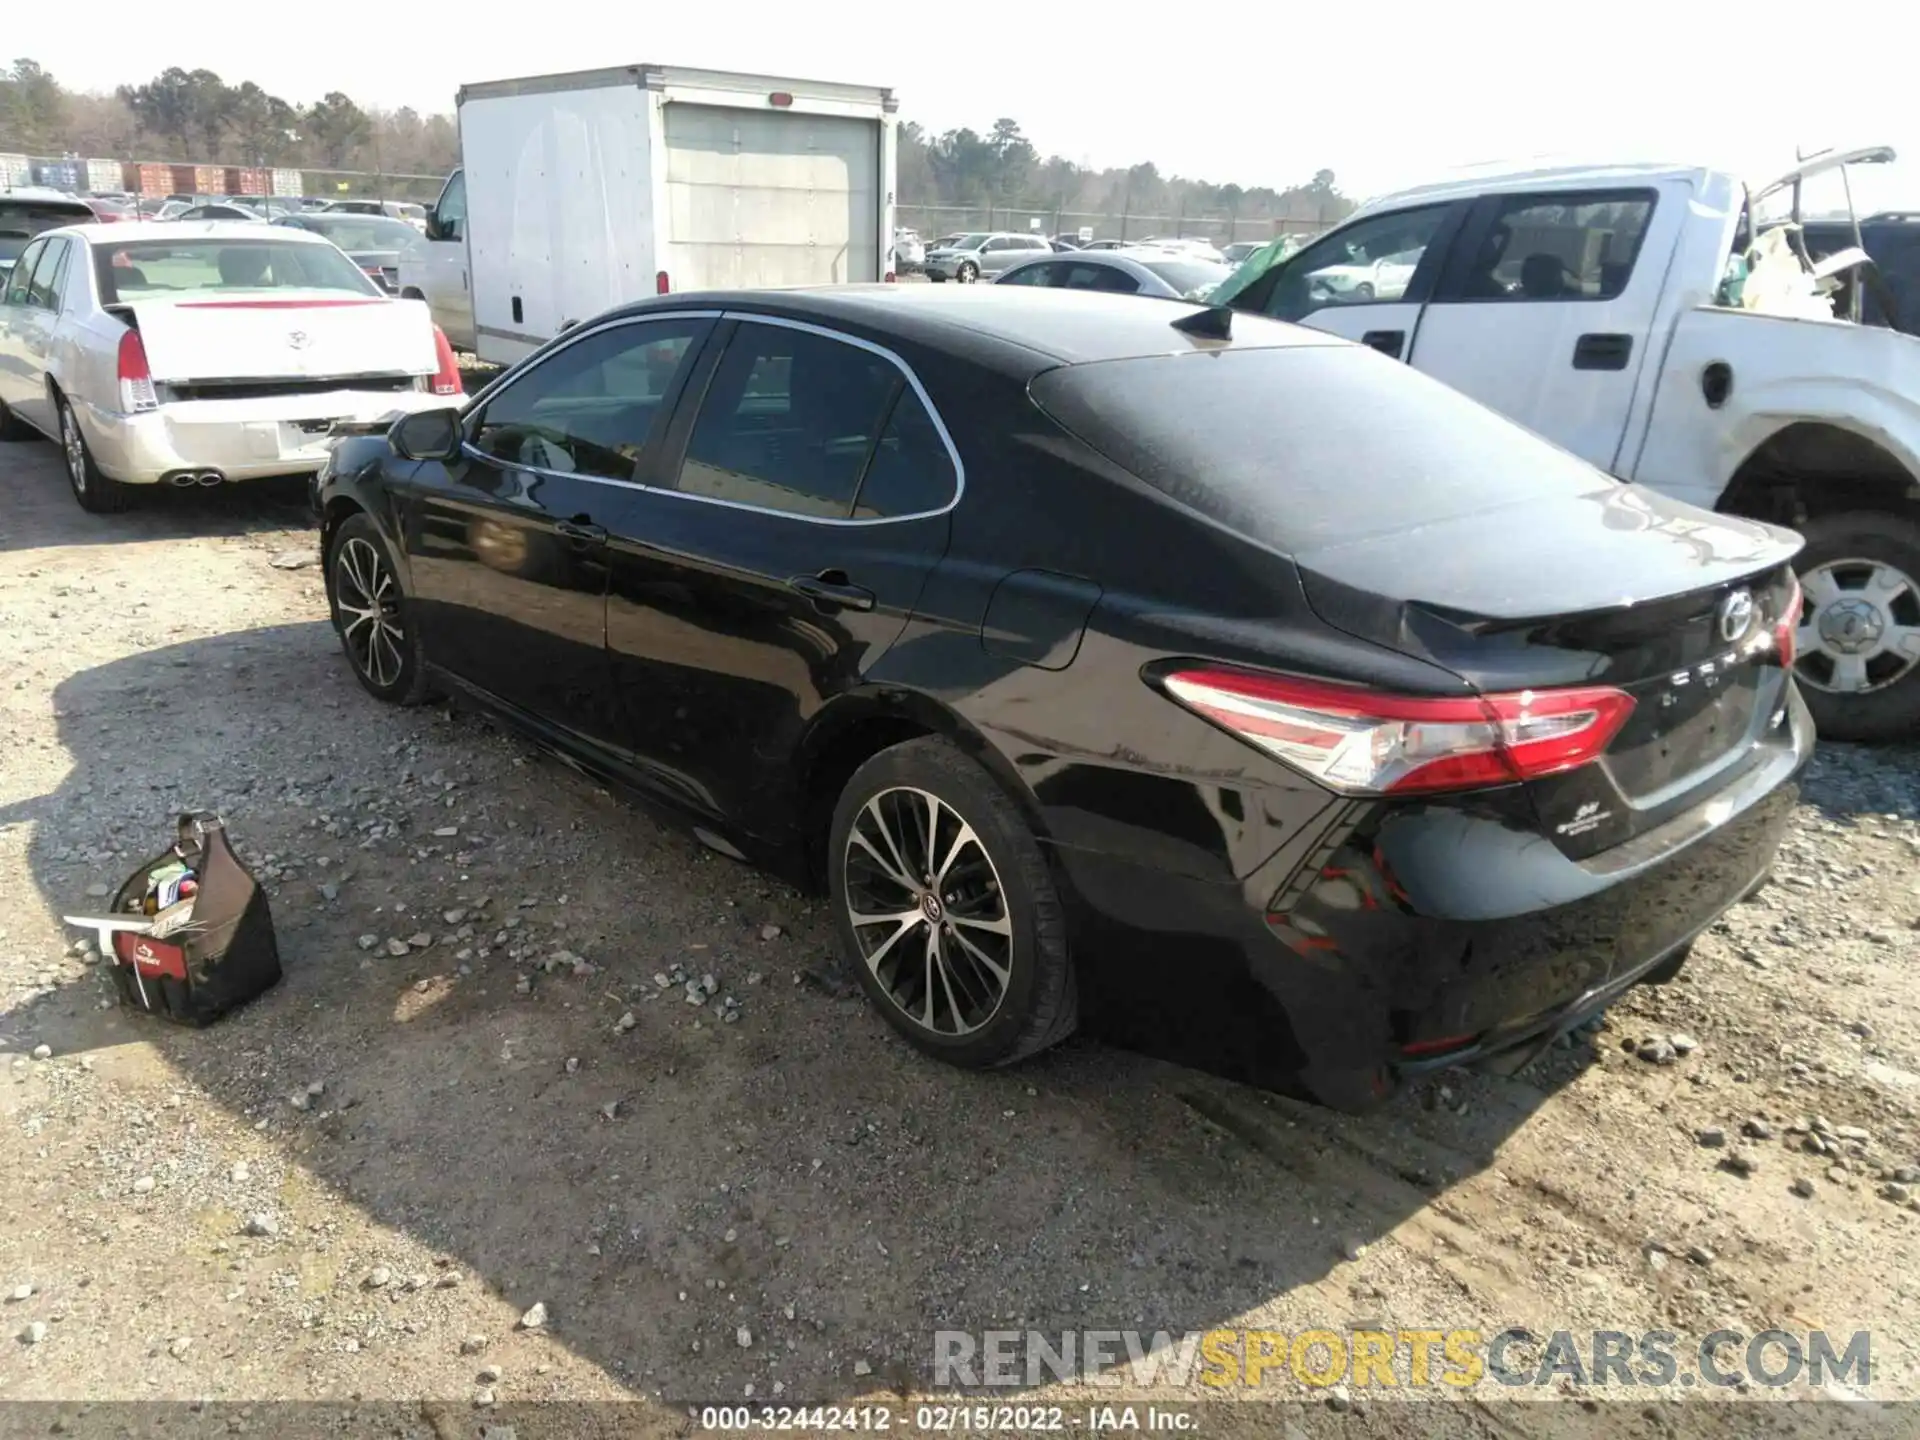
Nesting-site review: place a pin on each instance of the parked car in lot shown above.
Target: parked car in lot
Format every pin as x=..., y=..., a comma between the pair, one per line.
x=26, y=213
x=983, y=253
x=942, y=598
x=1158, y=273
x=375, y=243
x=1239, y=250
x=193, y=353
x=1607, y=309
x=909, y=254
x=217, y=210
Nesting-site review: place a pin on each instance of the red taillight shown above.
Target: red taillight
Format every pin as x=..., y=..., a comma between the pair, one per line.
x=1363, y=742
x=136, y=378
x=446, y=379
x=660, y=283
x=1786, y=630
x=890, y=278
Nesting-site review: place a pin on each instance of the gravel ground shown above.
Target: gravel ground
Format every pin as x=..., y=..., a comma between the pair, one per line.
x=483, y=1146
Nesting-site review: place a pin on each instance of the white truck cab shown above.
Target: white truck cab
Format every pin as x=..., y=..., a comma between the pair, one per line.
x=1638, y=316
x=436, y=272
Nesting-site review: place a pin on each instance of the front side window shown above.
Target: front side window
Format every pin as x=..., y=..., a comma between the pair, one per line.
x=450, y=214
x=1368, y=262
x=1110, y=278
x=591, y=407
x=49, y=276
x=790, y=422
x=1559, y=247
x=22, y=273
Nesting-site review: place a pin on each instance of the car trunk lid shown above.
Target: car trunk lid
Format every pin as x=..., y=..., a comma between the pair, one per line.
x=1623, y=588
x=300, y=336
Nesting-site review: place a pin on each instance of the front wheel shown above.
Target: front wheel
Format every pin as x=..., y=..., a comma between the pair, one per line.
x=97, y=494
x=967, y=273
x=947, y=909
x=373, y=616
x=1858, y=646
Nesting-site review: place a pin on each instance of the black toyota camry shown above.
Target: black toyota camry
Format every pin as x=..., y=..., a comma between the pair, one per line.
x=1217, y=685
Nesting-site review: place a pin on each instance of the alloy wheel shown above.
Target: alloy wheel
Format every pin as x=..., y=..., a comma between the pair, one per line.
x=75, y=448
x=1859, y=626
x=368, y=598
x=967, y=275
x=928, y=911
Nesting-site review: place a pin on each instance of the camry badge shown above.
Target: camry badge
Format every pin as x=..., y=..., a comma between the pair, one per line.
x=1736, y=614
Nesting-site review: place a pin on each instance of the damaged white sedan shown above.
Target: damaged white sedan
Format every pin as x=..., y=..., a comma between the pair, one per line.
x=201, y=353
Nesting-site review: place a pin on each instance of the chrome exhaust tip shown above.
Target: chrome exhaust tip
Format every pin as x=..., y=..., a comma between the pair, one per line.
x=210, y=477
x=181, y=479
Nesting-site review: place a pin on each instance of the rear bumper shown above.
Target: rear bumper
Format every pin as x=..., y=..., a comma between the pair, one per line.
x=1414, y=937
x=239, y=439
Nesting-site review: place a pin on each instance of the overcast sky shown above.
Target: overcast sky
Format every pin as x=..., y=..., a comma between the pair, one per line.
x=1384, y=93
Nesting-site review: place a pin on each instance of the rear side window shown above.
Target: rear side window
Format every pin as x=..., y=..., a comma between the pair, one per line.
x=1308, y=446
x=789, y=422
x=911, y=472
x=1558, y=247
x=1031, y=274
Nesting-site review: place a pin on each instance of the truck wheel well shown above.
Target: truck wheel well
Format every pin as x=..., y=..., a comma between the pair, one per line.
x=829, y=772
x=1811, y=468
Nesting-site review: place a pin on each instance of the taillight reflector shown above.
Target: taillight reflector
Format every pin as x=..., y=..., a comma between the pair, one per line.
x=446, y=378
x=890, y=278
x=1786, y=630
x=136, y=378
x=1364, y=742
x=660, y=283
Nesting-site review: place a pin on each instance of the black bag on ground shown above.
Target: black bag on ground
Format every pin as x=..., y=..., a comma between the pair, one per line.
x=217, y=953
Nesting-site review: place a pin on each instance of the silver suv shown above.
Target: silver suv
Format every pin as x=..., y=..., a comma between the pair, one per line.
x=985, y=253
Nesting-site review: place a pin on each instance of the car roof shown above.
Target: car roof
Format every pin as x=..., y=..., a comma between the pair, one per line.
x=188, y=230
x=1496, y=179
x=1017, y=328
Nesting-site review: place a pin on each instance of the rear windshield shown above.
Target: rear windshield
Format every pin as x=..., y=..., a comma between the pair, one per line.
x=1307, y=446
x=21, y=220
x=222, y=266
x=1188, y=276
x=362, y=232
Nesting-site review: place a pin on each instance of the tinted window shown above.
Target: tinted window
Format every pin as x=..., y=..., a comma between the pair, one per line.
x=21, y=220
x=1370, y=261
x=1559, y=247
x=789, y=421
x=589, y=409
x=450, y=215
x=911, y=472
x=1303, y=447
x=22, y=272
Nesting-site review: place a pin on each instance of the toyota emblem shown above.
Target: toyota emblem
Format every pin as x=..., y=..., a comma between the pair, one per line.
x=1736, y=615
x=299, y=339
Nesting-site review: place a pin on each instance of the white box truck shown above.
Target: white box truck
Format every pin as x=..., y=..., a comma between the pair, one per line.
x=580, y=192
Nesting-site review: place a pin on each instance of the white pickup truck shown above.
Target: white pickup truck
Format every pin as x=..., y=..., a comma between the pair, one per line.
x=1638, y=316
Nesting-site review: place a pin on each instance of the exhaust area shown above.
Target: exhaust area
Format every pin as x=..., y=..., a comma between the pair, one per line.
x=187, y=479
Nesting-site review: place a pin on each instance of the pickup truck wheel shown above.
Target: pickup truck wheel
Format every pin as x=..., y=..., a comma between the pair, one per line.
x=1858, y=644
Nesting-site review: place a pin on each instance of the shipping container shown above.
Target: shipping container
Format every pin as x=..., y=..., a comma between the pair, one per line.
x=180, y=178
x=150, y=179
x=15, y=170
x=209, y=180
x=104, y=175
x=286, y=182
x=247, y=180
x=57, y=174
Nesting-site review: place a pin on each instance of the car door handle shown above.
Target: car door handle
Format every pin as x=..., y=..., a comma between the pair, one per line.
x=582, y=531
x=1602, y=352
x=1387, y=342
x=829, y=591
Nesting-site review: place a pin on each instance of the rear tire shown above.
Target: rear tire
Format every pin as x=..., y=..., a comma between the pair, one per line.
x=371, y=614
x=974, y=968
x=1861, y=575
x=97, y=494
